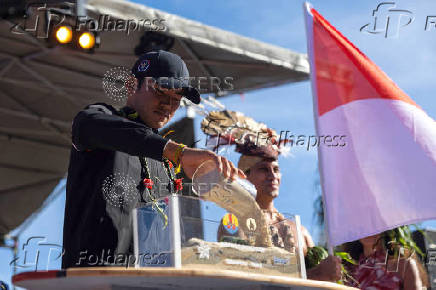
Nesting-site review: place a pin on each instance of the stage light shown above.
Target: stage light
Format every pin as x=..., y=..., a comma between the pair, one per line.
x=87, y=40
x=64, y=34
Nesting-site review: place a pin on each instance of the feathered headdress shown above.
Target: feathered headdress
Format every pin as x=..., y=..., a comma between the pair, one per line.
x=250, y=137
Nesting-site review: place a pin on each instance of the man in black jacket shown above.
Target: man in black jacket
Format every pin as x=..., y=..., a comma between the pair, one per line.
x=118, y=159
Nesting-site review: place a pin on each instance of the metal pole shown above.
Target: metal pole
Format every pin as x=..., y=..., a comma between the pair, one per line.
x=80, y=7
x=174, y=222
x=308, y=24
x=15, y=253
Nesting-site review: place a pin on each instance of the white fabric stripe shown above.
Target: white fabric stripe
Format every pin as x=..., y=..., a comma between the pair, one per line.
x=386, y=174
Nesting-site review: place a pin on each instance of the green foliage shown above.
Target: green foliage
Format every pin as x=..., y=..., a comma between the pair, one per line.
x=402, y=236
x=314, y=256
x=345, y=257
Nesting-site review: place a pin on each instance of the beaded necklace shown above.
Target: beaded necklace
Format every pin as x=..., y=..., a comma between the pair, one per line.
x=147, y=182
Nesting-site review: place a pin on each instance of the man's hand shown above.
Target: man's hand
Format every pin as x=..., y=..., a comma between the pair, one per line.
x=328, y=269
x=192, y=158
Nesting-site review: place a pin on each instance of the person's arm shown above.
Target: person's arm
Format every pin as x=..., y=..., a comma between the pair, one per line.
x=411, y=278
x=307, y=240
x=307, y=237
x=97, y=127
x=191, y=158
x=328, y=270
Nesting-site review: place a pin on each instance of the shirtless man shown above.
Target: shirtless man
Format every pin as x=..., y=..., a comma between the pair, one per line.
x=263, y=171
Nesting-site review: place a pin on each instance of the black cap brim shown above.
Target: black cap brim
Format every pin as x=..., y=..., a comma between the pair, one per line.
x=188, y=92
x=191, y=94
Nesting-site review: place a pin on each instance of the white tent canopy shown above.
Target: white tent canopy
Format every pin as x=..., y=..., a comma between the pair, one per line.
x=42, y=88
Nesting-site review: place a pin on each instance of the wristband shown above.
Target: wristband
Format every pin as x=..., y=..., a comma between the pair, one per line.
x=178, y=157
x=178, y=154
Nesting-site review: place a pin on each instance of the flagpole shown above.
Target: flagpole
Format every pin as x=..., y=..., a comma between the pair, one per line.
x=308, y=24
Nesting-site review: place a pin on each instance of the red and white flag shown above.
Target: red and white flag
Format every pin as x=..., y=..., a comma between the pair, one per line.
x=385, y=174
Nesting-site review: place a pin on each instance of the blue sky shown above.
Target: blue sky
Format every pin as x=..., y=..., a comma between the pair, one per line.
x=409, y=60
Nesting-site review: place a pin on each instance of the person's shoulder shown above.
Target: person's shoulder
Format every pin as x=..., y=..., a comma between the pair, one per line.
x=307, y=237
x=305, y=232
x=103, y=107
x=407, y=263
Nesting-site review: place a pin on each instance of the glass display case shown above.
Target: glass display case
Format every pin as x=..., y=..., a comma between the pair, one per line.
x=233, y=233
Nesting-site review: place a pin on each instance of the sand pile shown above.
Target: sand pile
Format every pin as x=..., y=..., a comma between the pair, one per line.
x=230, y=256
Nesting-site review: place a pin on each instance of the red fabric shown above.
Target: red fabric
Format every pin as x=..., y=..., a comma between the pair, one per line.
x=148, y=183
x=343, y=73
x=371, y=273
x=178, y=184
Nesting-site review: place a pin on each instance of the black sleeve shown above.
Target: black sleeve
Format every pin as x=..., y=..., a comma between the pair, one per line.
x=98, y=127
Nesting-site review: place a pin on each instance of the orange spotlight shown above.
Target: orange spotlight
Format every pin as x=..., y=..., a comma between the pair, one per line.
x=87, y=40
x=64, y=34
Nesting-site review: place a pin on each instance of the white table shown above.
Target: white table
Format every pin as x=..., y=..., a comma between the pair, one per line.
x=161, y=278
